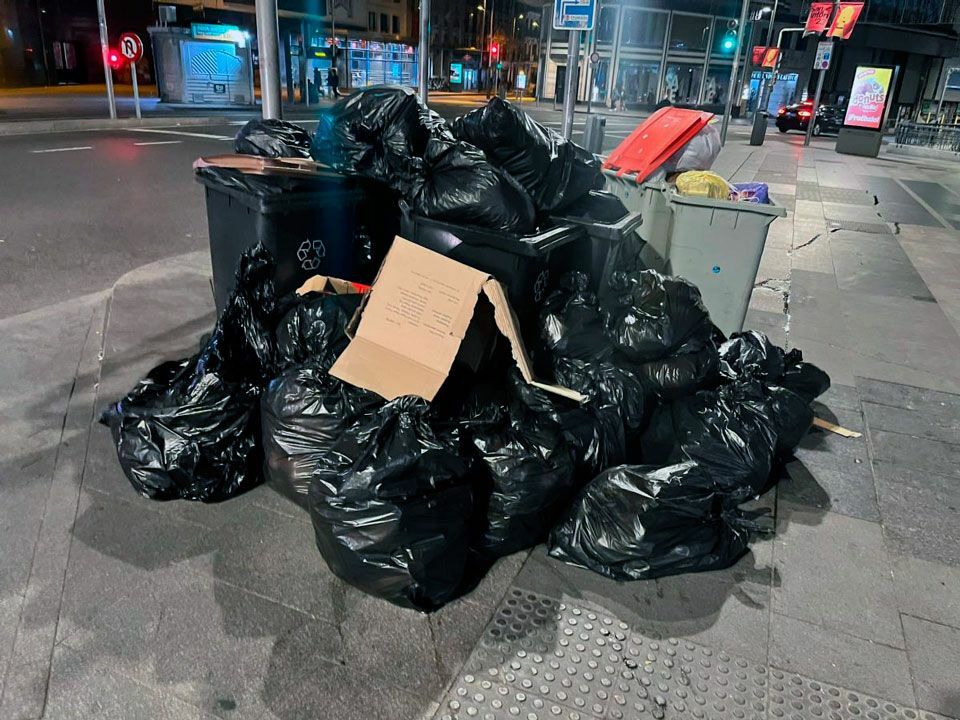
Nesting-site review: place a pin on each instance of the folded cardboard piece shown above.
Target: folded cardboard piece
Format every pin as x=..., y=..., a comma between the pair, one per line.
x=331, y=286
x=414, y=320
x=256, y=165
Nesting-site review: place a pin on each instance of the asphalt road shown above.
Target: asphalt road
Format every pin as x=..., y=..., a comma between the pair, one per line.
x=80, y=209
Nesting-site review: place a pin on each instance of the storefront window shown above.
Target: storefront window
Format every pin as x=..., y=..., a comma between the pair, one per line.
x=643, y=29
x=718, y=82
x=376, y=63
x=637, y=82
x=681, y=84
x=689, y=33
x=601, y=73
x=606, y=25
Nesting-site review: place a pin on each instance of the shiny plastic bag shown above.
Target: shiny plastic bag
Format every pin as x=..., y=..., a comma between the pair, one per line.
x=651, y=316
x=679, y=375
x=705, y=184
x=460, y=186
x=555, y=172
x=752, y=355
x=191, y=428
x=272, y=138
x=641, y=522
x=530, y=465
x=304, y=412
x=313, y=329
x=380, y=133
x=572, y=325
x=393, y=507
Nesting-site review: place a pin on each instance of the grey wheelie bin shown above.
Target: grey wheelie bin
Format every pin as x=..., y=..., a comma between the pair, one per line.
x=649, y=199
x=717, y=245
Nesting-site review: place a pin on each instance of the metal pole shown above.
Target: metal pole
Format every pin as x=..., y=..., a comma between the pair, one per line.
x=424, y=69
x=104, y=49
x=43, y=46
x=748, y=60
x=816, y=105
x=268, y=41
x=570, y=89
x=490, y=54
x=733, y=72
x=136, y=90
x=773, y=15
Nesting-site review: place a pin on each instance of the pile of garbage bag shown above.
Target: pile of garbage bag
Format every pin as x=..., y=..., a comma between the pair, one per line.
x=413, y=500
x=494, y=167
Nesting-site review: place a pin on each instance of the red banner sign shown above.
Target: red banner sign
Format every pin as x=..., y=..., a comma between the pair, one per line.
x=846, y=18
x=771, y=57
x=819, y=18
x=756, y=57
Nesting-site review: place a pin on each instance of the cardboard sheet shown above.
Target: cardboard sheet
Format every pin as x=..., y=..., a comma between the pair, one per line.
x=414, y=321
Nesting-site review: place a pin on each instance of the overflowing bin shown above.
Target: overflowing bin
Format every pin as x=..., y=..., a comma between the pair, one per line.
x=323, y=224
x=649, y=201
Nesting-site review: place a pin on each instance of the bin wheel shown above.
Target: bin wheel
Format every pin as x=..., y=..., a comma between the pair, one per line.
x=817, y=129
x=782, y=130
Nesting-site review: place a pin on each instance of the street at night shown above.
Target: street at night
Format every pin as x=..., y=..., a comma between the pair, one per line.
x=710, y=474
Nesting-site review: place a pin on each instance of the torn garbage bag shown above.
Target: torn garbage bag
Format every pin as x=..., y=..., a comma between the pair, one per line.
x=380, y=133
x=191, y=428
x=641, y=522
x=460, y=186
x=304, y=412
x=554, y=171
x=272, y=138
x=752, y=355
x=393, y=508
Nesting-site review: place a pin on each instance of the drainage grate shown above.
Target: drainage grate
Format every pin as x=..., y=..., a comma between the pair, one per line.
x=540, y=658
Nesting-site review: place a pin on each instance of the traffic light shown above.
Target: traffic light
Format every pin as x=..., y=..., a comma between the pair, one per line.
x=114, y=58
x=499, y=66
x=729, y=42
x=494, y=49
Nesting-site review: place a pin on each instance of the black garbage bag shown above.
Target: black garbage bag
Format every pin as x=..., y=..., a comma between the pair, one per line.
x=641, y=522
x=304, y=412
x=555, y=172
x=272, y=138
x=751, y=355
x=681, y=374
x=393, y=508
x=729, y=432
x=651, y=316
x=530, y=466
x=313, y=329
x=572, y=325
x=792, y=417
x=460, y=186
x=380, y=133
x=191, y=428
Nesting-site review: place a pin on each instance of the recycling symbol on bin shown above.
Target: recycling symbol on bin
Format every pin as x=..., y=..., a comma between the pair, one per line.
x=540, y=286
x=311, y=254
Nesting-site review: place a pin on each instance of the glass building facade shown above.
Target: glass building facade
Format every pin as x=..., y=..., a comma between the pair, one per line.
x=646, y=56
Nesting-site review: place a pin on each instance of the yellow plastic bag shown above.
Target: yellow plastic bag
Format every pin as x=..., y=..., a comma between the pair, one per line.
x=703, y=183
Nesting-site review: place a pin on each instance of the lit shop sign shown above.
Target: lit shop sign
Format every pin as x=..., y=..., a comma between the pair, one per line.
x=868, y=97
x=211, y=31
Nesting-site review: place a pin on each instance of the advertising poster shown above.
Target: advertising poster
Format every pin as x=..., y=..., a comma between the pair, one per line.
x=456, y=73
x=868, y=97
x=819, y=18
x=847, y=14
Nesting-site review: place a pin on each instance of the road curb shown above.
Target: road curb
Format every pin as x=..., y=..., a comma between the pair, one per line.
x=40, y=127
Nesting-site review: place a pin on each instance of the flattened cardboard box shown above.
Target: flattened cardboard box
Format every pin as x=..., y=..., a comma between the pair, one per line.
x=414, y=321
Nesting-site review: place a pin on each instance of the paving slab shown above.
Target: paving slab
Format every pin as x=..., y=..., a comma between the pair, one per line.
x=934, y=652
x=846, y=660
x=920, y=412
x=856, y=597
x=927, y=590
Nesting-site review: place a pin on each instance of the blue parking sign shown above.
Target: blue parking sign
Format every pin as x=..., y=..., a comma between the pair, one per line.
x=574, y=14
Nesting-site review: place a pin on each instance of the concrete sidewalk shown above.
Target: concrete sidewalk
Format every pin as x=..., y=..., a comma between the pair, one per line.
x=113, y=606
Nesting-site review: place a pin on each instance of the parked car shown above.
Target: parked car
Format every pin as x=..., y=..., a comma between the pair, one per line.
x=796, y=117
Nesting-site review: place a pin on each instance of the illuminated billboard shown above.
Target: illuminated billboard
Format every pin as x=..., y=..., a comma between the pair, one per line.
x=868, y=97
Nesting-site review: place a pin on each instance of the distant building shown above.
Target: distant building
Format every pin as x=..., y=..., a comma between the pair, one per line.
x=682, y=52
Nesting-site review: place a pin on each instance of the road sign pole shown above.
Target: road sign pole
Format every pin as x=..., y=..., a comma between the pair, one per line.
x=104, y=48
x=733, y=72
x=268, y=41
x=423, y=74
x=570, y=84
x=813, y=112
x=136, y=90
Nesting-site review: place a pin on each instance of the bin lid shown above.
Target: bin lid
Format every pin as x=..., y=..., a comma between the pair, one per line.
x=655, y=141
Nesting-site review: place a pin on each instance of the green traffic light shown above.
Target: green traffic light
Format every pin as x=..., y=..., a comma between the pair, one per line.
x=729, y=43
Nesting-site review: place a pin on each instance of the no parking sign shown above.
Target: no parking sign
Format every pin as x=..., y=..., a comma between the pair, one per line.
x=131, y=46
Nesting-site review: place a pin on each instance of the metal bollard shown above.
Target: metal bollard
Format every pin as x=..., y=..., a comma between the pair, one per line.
x=593, y=133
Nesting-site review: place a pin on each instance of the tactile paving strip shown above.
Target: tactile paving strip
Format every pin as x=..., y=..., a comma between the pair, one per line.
x=540, y=658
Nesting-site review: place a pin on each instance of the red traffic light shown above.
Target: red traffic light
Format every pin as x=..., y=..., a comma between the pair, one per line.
x=114, y=59
x=494, y=49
